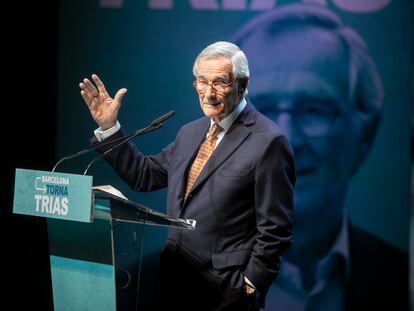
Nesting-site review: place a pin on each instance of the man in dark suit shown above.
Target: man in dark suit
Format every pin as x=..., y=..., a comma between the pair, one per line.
x=232, y=171
x=315, y=77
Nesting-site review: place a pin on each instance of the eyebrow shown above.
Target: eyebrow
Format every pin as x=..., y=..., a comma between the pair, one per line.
x=215, y=78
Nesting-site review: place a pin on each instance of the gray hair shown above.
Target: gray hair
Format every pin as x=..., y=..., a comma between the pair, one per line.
x=229, y=50
x=365, y=85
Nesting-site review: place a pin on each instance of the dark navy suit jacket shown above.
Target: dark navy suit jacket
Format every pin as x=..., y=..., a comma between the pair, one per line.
x=242, y=200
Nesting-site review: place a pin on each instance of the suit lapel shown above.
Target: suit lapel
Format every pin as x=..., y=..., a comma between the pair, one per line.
x=234, y=137
x=231, y=141
x=193, y=143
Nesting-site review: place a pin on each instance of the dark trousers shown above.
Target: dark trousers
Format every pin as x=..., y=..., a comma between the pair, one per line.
x=180, y=286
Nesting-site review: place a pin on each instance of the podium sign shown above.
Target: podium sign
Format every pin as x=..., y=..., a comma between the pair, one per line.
x=53, y=195
x=83, y=257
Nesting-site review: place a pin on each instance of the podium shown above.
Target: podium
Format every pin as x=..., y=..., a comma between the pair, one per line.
x=81, y=221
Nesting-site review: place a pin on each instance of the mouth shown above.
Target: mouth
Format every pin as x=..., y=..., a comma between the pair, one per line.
x=211, y=104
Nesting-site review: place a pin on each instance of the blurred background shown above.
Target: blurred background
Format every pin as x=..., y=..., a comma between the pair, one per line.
x=149, y=48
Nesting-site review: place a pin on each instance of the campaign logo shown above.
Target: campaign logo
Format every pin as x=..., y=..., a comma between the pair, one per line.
x=52, y=195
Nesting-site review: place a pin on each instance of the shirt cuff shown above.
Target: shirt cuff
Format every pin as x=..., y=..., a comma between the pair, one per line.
x=101, y=135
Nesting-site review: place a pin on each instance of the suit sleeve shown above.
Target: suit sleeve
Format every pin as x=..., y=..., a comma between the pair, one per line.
x=141, y=173
x=274, y=183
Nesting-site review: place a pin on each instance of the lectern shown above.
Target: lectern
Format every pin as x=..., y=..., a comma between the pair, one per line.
x=81, y=221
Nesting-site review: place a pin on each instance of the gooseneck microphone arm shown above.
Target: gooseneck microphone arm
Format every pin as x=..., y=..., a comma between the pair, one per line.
x=97, y=145
x=154, y=123
x=147, y=129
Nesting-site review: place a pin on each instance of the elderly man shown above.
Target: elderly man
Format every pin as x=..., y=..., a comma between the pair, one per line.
x=232, y=171
x=315, y=78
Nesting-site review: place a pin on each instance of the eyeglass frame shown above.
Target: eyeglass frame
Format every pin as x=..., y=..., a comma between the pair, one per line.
x=211, y=83
x=331, y=118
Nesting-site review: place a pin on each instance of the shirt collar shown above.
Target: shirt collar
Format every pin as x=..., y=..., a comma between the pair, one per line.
x=227, y=122
x=341, y=246
x=337, y=258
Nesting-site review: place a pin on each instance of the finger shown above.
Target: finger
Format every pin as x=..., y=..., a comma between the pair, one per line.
x=82, y=86
x=99, y=84
x=118, y=98
x=92, y=89
x=85, y=89
x=87, y=98
x=91, y=101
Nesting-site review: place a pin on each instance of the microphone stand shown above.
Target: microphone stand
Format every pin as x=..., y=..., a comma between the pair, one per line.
x=154, y=125
x=145, y=130
x=97, y=145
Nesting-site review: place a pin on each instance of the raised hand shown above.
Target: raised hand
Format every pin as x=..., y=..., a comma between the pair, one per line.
x=103, y=108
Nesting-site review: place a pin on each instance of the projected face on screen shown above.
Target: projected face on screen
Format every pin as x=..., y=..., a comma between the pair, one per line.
x=315, y=77
x=301, y=81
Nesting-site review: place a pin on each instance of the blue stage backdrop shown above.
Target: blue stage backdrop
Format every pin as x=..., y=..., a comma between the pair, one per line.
x=149, y=47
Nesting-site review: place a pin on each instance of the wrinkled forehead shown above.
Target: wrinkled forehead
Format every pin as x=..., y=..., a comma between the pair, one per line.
x=214, y=67
x=300, y=57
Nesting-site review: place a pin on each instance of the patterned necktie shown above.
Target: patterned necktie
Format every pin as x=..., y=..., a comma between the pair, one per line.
x=202, y=157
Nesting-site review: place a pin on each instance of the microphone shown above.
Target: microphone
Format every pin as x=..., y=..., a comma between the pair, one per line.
x=109, y=141
x=147, y=129
x=163, y=118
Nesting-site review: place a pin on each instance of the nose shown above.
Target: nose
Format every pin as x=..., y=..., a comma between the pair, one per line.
x=210, y=93
x=289, y=127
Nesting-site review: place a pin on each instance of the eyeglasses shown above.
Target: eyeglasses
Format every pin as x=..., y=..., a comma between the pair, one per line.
x=219, y=87
x=312, y=118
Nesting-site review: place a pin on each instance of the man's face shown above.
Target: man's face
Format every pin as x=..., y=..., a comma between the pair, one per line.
x=217, y=105
x=300, y=80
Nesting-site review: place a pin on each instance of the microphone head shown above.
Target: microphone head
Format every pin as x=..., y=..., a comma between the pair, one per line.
x=163, y=118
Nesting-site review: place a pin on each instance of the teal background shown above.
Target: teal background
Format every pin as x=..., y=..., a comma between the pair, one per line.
x=50, y=46
x=151, y=53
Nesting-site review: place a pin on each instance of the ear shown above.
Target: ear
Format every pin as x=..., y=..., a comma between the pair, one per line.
x=243, y=84
x=362, y=152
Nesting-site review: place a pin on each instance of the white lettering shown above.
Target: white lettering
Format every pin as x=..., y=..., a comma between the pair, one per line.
x=234, y=4
x=55, y=180
x=195, y=4
x=56, y=205
x=51, y=205
x=262, y=4
x=45, y=204
x=361, y=6
x=204, y=4
x=64, y=209
x=37, y=197
x=355, y=6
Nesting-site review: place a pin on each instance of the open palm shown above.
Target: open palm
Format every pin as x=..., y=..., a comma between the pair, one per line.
x=103, y=108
